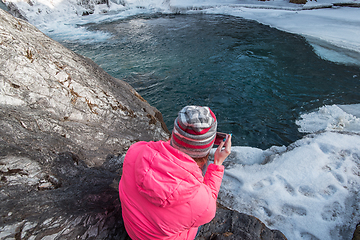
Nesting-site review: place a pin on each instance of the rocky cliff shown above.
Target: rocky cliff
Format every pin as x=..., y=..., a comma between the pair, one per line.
x=62, y=121
x=55, y=100
x=65, y=126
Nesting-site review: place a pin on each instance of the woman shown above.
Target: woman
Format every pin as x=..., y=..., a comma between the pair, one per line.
x=162, y=190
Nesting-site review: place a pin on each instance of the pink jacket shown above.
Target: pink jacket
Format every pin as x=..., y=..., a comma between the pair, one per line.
x=163, y=193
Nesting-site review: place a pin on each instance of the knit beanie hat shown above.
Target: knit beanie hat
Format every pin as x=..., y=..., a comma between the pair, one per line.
x=194, y=131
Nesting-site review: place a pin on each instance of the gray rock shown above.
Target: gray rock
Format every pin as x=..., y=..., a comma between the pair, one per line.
x=53, y=100
x=229, y=224
x=65, y=200
x=14, y=10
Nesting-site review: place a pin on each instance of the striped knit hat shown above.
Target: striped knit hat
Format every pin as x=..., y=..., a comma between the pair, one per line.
x=194, y=131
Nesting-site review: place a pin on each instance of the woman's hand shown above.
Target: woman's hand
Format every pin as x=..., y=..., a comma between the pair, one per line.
x=220, y=153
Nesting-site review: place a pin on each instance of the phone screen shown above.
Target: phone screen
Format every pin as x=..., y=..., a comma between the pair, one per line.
x=219, y=138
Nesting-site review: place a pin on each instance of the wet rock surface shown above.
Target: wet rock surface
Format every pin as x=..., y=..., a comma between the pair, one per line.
x=65, y=126
x=65, y=200
x=229, y=224
x=356, y=235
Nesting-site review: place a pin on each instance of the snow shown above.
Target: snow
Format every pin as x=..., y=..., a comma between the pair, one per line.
x=308, y=190
x=342, y=118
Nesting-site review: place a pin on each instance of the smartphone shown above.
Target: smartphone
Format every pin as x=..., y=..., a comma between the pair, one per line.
x=219, y=138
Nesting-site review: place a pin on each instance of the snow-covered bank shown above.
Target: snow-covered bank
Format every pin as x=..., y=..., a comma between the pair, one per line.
x=308, y=190
x=334, y=32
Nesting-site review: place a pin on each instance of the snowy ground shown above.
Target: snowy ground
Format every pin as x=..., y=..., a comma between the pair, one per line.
x=308, y=190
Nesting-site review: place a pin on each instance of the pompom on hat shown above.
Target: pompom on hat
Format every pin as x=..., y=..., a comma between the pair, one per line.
x=194, y=131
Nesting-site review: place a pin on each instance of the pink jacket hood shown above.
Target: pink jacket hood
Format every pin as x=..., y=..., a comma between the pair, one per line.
x=166, y=176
